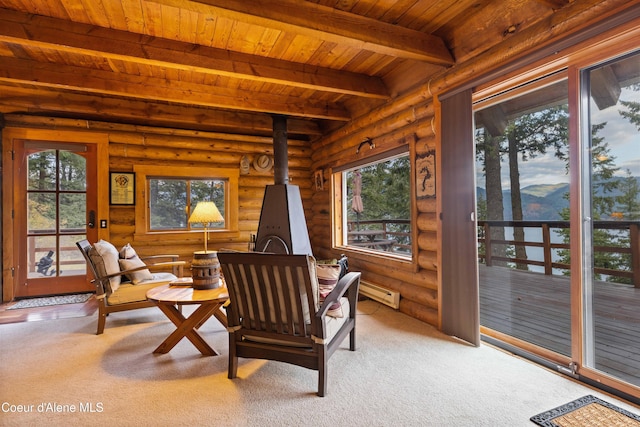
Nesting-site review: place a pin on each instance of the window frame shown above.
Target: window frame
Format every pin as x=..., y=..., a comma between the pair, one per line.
x=338, y=220
x=144, y=173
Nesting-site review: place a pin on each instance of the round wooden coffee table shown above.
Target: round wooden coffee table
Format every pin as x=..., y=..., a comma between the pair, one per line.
x=168, y=298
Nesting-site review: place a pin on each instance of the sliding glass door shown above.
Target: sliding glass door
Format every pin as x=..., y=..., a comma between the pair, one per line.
x=558, y=190
x=611, y=203
x=523, y=215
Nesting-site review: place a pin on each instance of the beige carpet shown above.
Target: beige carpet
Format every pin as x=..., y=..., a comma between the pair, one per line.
x=404, y=373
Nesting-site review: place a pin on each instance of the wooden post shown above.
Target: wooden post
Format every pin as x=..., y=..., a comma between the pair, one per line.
x=634, y=240
x=546, y=249
x=487, y=244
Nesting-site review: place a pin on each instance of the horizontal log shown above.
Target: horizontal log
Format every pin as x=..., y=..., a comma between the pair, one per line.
x=427, y=205
x=217, y=142
x=357, y=127
x=428, y=260
x=388, y=270
x=47, y=101
x=383, y=135
x=428, y=241
x=420, y=312
x=425, y=145
x=190, y=155
x=404, y=136
x=426, y=297
x=251, y=205
x=427, y=221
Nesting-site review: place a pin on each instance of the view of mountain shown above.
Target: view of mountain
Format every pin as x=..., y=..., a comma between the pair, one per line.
x=541, y=201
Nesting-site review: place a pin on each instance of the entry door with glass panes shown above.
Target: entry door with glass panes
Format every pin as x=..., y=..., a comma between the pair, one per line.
x=54, y=208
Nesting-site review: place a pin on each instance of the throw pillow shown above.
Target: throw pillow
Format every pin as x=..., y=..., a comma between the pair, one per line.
x=127, y=252
x=328, y=275
x=135, y=276
x=109, y=255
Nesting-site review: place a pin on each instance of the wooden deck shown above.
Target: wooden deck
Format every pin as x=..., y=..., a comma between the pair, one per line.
x=536, y=308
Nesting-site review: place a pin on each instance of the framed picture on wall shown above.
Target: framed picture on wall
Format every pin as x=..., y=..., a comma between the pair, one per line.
x=426, y=175
x=122, y=188
x=319, y=179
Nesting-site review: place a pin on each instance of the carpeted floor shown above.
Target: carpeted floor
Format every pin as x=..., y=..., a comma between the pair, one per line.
x=52, y=300
x=404, y=373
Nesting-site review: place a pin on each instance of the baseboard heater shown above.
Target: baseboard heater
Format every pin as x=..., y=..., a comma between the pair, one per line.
x=380, y=294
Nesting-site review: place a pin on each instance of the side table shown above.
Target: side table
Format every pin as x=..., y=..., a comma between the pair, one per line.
x=168, y=297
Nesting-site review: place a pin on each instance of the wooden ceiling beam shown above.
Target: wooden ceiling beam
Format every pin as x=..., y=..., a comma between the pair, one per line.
x=15, y=99
x=75, y=38
x=161, y=89
x=554, y=4
x=326, y=23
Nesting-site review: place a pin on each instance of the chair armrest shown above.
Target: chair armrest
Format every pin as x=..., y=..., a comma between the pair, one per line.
x=349, y=283
x=150, y=257
x=177, y=269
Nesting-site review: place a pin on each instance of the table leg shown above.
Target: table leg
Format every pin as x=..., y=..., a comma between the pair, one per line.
x=186, y=327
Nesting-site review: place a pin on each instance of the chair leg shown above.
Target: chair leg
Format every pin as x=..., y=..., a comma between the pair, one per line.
x=233, y=359
x=352, y=339
x=322, y=372
x=102, y=318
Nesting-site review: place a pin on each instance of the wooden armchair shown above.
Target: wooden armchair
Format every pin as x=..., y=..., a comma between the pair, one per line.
x=275, y=311
x=115, y=295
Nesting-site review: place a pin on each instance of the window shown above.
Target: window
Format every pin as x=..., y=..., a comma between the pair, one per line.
x=166, y=197
x=375, y=210
x=171, y=201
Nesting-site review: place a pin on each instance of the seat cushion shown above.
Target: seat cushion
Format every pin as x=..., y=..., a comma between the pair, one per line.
x=128, y=292
x=332, y=326
x=105, y=258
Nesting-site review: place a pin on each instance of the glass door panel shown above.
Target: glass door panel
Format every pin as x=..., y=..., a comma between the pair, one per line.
x=523, y=215
x=611, y=288
x=54, y=185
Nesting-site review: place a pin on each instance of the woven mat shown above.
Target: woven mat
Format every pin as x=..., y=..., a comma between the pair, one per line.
x=46, y=301
x=586, y=412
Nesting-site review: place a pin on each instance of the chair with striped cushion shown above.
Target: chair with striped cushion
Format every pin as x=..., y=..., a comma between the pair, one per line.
x=275, y=311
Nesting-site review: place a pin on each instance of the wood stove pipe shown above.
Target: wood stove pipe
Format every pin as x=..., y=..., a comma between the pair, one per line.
x=280, y=150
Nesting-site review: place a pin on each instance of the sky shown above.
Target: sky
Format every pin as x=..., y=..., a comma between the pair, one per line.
x=624, y=144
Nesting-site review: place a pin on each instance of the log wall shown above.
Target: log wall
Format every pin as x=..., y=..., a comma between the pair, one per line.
x=162, y=147
x=417, y=282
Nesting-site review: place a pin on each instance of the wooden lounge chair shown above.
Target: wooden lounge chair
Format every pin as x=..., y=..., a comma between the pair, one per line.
x=115, y=295
x=275, y=312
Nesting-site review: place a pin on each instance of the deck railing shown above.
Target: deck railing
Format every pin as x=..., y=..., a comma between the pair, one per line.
x=547, y=245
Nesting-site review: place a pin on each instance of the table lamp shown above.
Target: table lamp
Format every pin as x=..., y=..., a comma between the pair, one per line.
x=205, y=267
x=205, y=213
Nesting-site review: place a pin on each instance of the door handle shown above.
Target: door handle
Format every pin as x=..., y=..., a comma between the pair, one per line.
x=92, y=219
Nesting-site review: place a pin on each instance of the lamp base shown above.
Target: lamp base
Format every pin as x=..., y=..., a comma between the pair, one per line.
x=205, y=270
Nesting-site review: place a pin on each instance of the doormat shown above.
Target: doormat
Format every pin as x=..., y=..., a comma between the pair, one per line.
x=46, y=301
x=585, y=412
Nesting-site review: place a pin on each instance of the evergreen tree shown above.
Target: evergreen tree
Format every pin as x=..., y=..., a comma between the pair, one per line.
x=602, y=204
x=524, y=137
x=488, y=152
x=628, y=201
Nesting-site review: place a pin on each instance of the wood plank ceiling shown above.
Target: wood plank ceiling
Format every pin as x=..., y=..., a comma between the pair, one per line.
x=228, y=65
